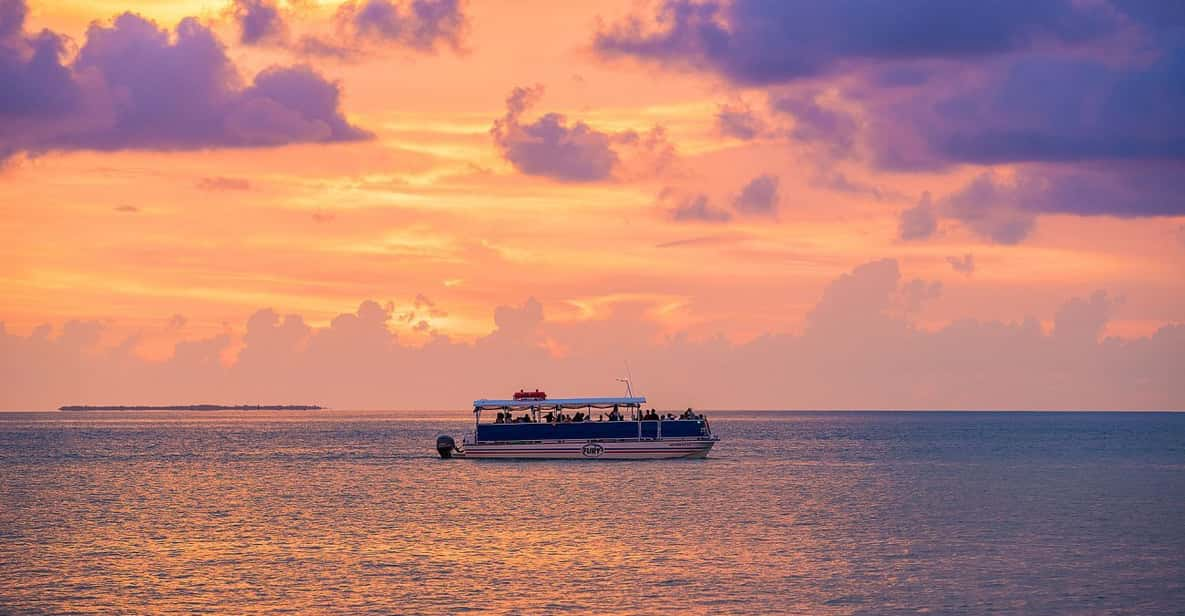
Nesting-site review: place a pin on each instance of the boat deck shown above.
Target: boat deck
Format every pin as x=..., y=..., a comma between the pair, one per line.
x=592, y=430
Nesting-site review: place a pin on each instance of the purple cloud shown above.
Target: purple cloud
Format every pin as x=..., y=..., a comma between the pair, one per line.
x=990, y=208
x=918, y=222
x=1157, y=14
x=422, y=24
x=814, y=123
x=131, y=87
x=551, y=147
x=755, y=42
x=362, y=26
x=1047, y=108
x=759, y=197
x=37, y=89
x=1085, y=96
x=738, y=121
x=691, y=208
x=1005, y=210
x=1091, y=136
x=259, y=21
x=1120, y=188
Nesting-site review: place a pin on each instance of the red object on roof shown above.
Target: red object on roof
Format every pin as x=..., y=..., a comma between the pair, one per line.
x=530, y=395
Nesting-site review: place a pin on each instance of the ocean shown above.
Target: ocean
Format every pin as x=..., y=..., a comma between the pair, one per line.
x=342, y=512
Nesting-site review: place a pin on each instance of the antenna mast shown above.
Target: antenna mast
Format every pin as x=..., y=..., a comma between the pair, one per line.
x=628, y=380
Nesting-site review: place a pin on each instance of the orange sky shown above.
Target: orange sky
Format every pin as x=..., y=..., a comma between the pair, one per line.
x=431, y=208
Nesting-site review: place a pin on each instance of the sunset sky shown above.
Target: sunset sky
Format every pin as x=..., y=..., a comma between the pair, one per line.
x=757, y=204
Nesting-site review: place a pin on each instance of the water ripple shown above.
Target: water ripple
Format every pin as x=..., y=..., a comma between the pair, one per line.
x=794, y=513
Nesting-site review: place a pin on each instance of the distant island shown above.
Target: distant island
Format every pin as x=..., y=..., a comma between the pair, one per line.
x=198, y=407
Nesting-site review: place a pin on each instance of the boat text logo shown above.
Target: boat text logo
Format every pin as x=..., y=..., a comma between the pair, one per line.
x=592, y=450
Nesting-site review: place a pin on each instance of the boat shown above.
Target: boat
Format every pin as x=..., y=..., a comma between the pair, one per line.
x=530, y=425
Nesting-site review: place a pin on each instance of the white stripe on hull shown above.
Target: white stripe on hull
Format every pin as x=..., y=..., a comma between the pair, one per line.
x=581, y=450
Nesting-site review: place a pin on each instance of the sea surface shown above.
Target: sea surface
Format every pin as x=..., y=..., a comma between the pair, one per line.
x=812, y=513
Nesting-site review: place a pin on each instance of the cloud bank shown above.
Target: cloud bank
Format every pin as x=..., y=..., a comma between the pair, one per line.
x=860, y=349
x=1084, y=99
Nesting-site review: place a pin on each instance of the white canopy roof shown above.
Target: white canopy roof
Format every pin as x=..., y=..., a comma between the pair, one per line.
x=559, y=402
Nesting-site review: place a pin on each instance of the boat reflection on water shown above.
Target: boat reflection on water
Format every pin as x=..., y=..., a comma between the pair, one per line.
x=531, y=426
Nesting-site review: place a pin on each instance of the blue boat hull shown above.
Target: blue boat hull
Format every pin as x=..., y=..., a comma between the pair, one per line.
x=664, y=449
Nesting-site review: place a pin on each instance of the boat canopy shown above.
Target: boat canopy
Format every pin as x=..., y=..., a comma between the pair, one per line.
x=560, y=403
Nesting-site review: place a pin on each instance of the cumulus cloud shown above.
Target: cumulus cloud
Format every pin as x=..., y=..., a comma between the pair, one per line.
x=1003, y=212
x=691, y=208
x=259, y=21
x=573, y=152
x=1004, y=209
x=860, y=349
x=517, y=323
x=38, y=91
x=362, y=27
x=134, y=85
x=549, y=146
x=869, y=290
x=759, y=197
x=419, y=24
x=815, y=123
x=991, y=209
x=739, y=121
x=1081, y=320
x=918, y=222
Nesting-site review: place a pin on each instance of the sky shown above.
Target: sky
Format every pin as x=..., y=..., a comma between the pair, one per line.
x=752, y=204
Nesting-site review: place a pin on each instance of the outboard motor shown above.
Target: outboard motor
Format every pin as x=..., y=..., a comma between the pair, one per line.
x=445, y=446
